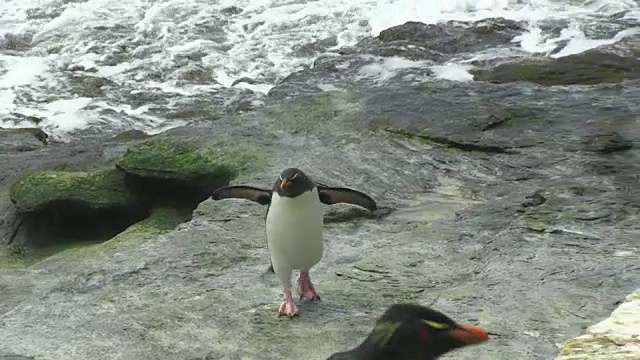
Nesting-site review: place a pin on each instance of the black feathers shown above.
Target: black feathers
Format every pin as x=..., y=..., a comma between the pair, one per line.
x=261, y=196
x=334, y=195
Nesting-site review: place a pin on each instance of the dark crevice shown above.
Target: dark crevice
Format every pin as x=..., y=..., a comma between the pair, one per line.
x=469, y=146
x=65, y=223
x=463, y=145
x=62, y=224
x=456, y=144
x=172, y=192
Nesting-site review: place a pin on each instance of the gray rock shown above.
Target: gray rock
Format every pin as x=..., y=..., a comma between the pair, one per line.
x=450, y=166
x=438, y=42
x=21, y=139
x=615, y=337
x=78, y=156
x=588, y=68
x=454, y=237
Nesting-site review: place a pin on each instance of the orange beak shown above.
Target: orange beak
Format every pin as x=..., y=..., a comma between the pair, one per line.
x=469, y=334
x=284, y=184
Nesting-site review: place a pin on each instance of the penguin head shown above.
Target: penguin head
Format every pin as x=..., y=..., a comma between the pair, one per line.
x=412, y=332
x=293, y=182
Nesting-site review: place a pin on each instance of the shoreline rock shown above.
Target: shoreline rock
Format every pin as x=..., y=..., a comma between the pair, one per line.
x=95, y=190
x=22, y=139
x=614, y=338
x=589, y=68
x=78, y=207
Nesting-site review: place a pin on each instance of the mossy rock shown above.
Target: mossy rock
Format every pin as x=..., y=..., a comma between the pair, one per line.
x=190, y=163
x=100, y=189
x=582, y=69
x=13, y=256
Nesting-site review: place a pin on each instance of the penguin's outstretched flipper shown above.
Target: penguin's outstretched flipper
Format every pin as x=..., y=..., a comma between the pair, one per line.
x=333, y=195
x=261, y=196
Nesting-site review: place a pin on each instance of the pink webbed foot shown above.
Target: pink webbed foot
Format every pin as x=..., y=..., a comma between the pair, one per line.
x=288, y=307
x=306, y=291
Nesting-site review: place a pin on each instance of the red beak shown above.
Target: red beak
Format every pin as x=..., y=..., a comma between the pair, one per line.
x=469, y=334
x=284, y=184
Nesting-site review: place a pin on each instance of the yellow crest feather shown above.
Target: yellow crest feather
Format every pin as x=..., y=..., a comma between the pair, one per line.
x=436, y=325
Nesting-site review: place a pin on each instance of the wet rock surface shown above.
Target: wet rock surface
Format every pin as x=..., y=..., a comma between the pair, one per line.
x=437, y=42
x=589, y=68
x=22, y=139
x=514, y=206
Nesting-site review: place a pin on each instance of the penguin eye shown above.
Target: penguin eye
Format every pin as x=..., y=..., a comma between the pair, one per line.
x=436, y=325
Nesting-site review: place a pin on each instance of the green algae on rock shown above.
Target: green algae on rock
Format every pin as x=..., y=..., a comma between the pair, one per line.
x=94, y=190
x=181, y=161
x=63, y=209
x=58, y=209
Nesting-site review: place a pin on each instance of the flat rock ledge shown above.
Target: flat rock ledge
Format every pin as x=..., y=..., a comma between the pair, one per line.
x=614, y=338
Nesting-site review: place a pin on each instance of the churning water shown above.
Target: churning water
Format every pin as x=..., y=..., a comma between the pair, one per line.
x=228, y=46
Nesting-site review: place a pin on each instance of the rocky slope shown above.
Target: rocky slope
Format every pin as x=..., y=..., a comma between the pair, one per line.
x=512, y=204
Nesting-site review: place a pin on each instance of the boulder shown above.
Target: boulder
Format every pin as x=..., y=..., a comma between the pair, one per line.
x=174, y=172
x=192, y=164
x=439, y=42
x=54, y=157
x=66, y=207
x=88, y=85
x=453, y=37
x=100, y=189
x=131, y=135
x=614, y=338
x=588, y=68
x=22, y=139
x=10, y=42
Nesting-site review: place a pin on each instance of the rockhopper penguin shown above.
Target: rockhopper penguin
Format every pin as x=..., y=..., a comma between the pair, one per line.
x=413, y=332
x=294, y=223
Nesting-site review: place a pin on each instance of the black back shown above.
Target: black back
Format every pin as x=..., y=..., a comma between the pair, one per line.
x=407, y=332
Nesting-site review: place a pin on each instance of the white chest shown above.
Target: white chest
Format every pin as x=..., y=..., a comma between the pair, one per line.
x=294, y=230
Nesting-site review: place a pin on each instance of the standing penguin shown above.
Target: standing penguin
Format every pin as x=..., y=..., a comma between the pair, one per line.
x=294, y=223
